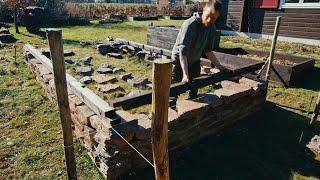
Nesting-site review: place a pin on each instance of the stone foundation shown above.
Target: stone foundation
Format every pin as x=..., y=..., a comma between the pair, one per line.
x=190, y=121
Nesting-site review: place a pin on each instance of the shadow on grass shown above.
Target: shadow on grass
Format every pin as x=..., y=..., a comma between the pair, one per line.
x=310, y=80
x=262, y=146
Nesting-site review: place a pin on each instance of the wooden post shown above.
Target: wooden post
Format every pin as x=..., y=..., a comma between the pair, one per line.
x=59, y=70
x=15, y=19
x=273, y=46
x=159, y=126
x=316, y=110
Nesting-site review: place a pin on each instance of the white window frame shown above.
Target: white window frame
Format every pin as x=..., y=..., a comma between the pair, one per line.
x=300, y=4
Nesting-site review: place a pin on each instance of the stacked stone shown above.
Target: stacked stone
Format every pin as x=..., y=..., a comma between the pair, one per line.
x=190, y=121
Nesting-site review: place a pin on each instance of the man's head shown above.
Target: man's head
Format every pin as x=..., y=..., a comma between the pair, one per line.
x=211, y=12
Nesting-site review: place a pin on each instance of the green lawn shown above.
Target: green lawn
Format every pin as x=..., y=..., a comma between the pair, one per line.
x=263, y=146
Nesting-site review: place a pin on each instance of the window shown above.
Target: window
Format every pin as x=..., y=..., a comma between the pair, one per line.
x=313, y=4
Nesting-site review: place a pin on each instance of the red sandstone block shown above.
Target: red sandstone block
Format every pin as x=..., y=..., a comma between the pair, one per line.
x=84, y=113
x=189, y=108
x=233, y=92
x=211, y=99
x=47, y=77
x=43, y=70
x=95, y=122
x=254, y=84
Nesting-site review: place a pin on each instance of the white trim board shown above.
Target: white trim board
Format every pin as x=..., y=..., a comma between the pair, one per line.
x=313, y=42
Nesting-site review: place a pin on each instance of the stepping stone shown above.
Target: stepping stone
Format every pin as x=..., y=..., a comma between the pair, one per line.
x=142, y=54
x=86, y=60
x=118, y=70
x=126, y=76
x=139, y=82
x=69, y=61
x=86, y=80
x=115, y=55
x=84, y=70
x=106, y=65
x=109, y=88
x=4, y=30
x=103, y=79
x=105, y=48
x=104, y=70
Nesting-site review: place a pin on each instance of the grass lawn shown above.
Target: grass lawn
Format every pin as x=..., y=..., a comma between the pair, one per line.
x=262, y=146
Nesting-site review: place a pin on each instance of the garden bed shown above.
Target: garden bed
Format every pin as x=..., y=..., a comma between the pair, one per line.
x=94, y=121
x=288, y=70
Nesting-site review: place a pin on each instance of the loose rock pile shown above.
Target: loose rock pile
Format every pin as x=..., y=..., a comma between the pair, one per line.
x=114, y=49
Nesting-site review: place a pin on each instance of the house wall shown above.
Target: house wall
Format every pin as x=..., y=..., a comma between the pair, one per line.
x=297, y=23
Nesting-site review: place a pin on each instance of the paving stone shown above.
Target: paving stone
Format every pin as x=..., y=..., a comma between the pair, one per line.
x=109, y=88
x=86, y=80
x=126, y=76
x=104, y=70
x=84, y=70
x=118, y=70
x=139, y=82
x=105, y=48
x=115, y=55
x=103, y=79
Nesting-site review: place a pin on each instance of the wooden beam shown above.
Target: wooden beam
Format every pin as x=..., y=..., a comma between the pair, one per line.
x=178, y=88
x=159, y=125
x=93, y=101
x=56, y=49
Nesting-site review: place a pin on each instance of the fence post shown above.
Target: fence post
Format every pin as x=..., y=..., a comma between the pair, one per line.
x=316, y=110
x=56, y=51
x=159, y=127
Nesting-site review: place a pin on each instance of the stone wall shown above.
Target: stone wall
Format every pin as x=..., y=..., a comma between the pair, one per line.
x=188, y=122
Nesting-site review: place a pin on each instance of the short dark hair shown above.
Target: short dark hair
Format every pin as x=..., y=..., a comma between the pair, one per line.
x=213, y=4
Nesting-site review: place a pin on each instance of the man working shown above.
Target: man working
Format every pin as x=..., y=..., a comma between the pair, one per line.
x=195, y=36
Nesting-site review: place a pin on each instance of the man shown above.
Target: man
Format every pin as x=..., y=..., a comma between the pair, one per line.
x=195, y=36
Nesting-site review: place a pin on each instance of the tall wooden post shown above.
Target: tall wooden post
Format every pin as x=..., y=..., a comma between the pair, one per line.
x=316, y=110
x=159, y=126
x=273, y=46
x=59, y=70
x=15, y=19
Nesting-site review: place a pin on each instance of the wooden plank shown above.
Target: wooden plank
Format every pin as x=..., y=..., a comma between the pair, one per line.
x=159, y=125
x=59, y=71
x=178, y=88
x=93, y=101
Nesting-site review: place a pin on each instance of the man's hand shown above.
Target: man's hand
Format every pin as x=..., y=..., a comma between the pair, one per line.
x=185, y=79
